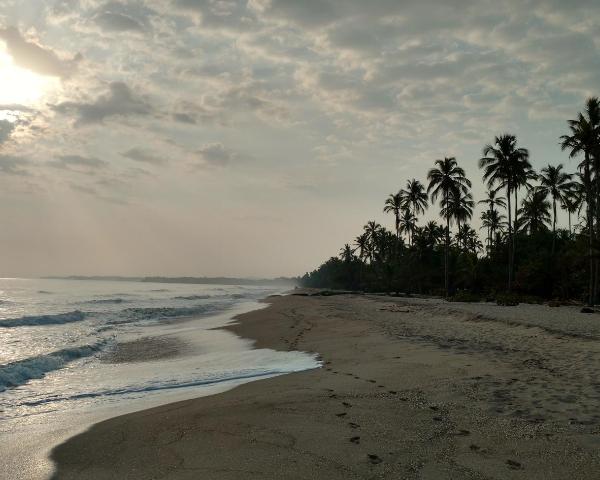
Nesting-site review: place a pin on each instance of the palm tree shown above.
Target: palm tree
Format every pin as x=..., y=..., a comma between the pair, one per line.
x=415, y=197
x=574, y=201
x=393, y=204
x=558, y=185
x=444, y=178
x=535, y=211
x=372, y=230
x=408, y=224
x=493, y=221
x=584, y=138
x=347, y=254
x=459, y=206
x=508, y=167
x=433, y=233
x=362, y=245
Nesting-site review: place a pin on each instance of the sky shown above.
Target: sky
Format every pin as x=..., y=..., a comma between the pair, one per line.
x=256, y=137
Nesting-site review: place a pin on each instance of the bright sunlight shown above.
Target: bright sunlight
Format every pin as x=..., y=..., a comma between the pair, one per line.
x=21, y=86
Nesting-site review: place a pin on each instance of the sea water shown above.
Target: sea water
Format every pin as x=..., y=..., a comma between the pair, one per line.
x=73, y=352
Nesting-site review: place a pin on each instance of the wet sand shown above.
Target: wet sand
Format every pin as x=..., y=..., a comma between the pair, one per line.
x=409, y=389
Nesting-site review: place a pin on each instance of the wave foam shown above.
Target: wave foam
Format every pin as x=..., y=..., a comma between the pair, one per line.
x=59, y=318
x=20, y=372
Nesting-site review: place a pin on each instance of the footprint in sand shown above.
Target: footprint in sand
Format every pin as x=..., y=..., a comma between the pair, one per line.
x=346, y=404
x=343, y=414
x=374, y=459
x=514, y=465
x=353, y=425
x=355, y=440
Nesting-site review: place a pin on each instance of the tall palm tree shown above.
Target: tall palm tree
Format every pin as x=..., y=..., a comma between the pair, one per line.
x=393, y=204
x=557, y=184
x=506, y=166
x=415, y=197
x=408, y=224
x=535, y=211
x=443, y=178
x=584, y=138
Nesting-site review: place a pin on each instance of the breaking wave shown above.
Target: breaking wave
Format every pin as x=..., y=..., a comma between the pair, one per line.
x=56, y=319
x=20, y=372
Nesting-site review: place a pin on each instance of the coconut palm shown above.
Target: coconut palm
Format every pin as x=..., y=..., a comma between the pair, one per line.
x=558, y=185
x=415, y=197
x=372, y=230
x=573, y=202
x=468, y=240
x=445, y=177
x=347, y=254
x=393, y=204
x=433, y=233
x=408, y=224
x=535, y=211
x=362, y=245
x=584, y=138
x=459, y=206
x=506, y=166
x=494, y=221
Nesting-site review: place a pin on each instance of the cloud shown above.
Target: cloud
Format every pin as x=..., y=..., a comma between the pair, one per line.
x=6, y=128
x=118, y=22
x=78, y=161
x=119, y=101
x=216, y=154
x=13, y=165
x=34, y=57
x=141, y=155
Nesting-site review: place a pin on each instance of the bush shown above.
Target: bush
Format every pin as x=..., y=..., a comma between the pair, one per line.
x=464, y=296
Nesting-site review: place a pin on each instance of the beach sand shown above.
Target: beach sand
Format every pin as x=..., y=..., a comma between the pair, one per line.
x=409, y=389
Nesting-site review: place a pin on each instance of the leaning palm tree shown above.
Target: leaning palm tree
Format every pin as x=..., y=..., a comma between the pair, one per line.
x=393, y=204
x=535, y=211
x=415, y=197
x=506, y=166
x=558, y=185
x=584, y=139
x=408, y=224
x=445, y=177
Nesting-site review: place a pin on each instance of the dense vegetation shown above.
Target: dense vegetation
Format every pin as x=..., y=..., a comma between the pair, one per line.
x=521, y=250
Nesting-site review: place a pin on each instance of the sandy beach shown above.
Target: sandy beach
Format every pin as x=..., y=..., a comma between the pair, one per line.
x=409, y=389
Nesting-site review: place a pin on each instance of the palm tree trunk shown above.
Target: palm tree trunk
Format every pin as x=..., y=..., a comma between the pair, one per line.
x=514, y=239
x=510, y=234
x=590, y=226
x=446, y=249
x=569, y=215
x=553, y=224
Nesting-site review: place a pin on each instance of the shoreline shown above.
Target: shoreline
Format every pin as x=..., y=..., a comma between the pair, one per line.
x=410, y=388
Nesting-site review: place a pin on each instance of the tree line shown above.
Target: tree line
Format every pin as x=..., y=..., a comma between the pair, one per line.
x=520, y=248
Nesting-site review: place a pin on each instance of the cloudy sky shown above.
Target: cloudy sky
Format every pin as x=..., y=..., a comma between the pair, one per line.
x=255, y=137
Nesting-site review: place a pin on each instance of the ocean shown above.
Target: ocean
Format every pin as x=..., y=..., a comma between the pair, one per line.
x=74, y=352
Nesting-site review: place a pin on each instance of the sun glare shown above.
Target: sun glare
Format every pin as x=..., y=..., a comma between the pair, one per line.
x=21, y=86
